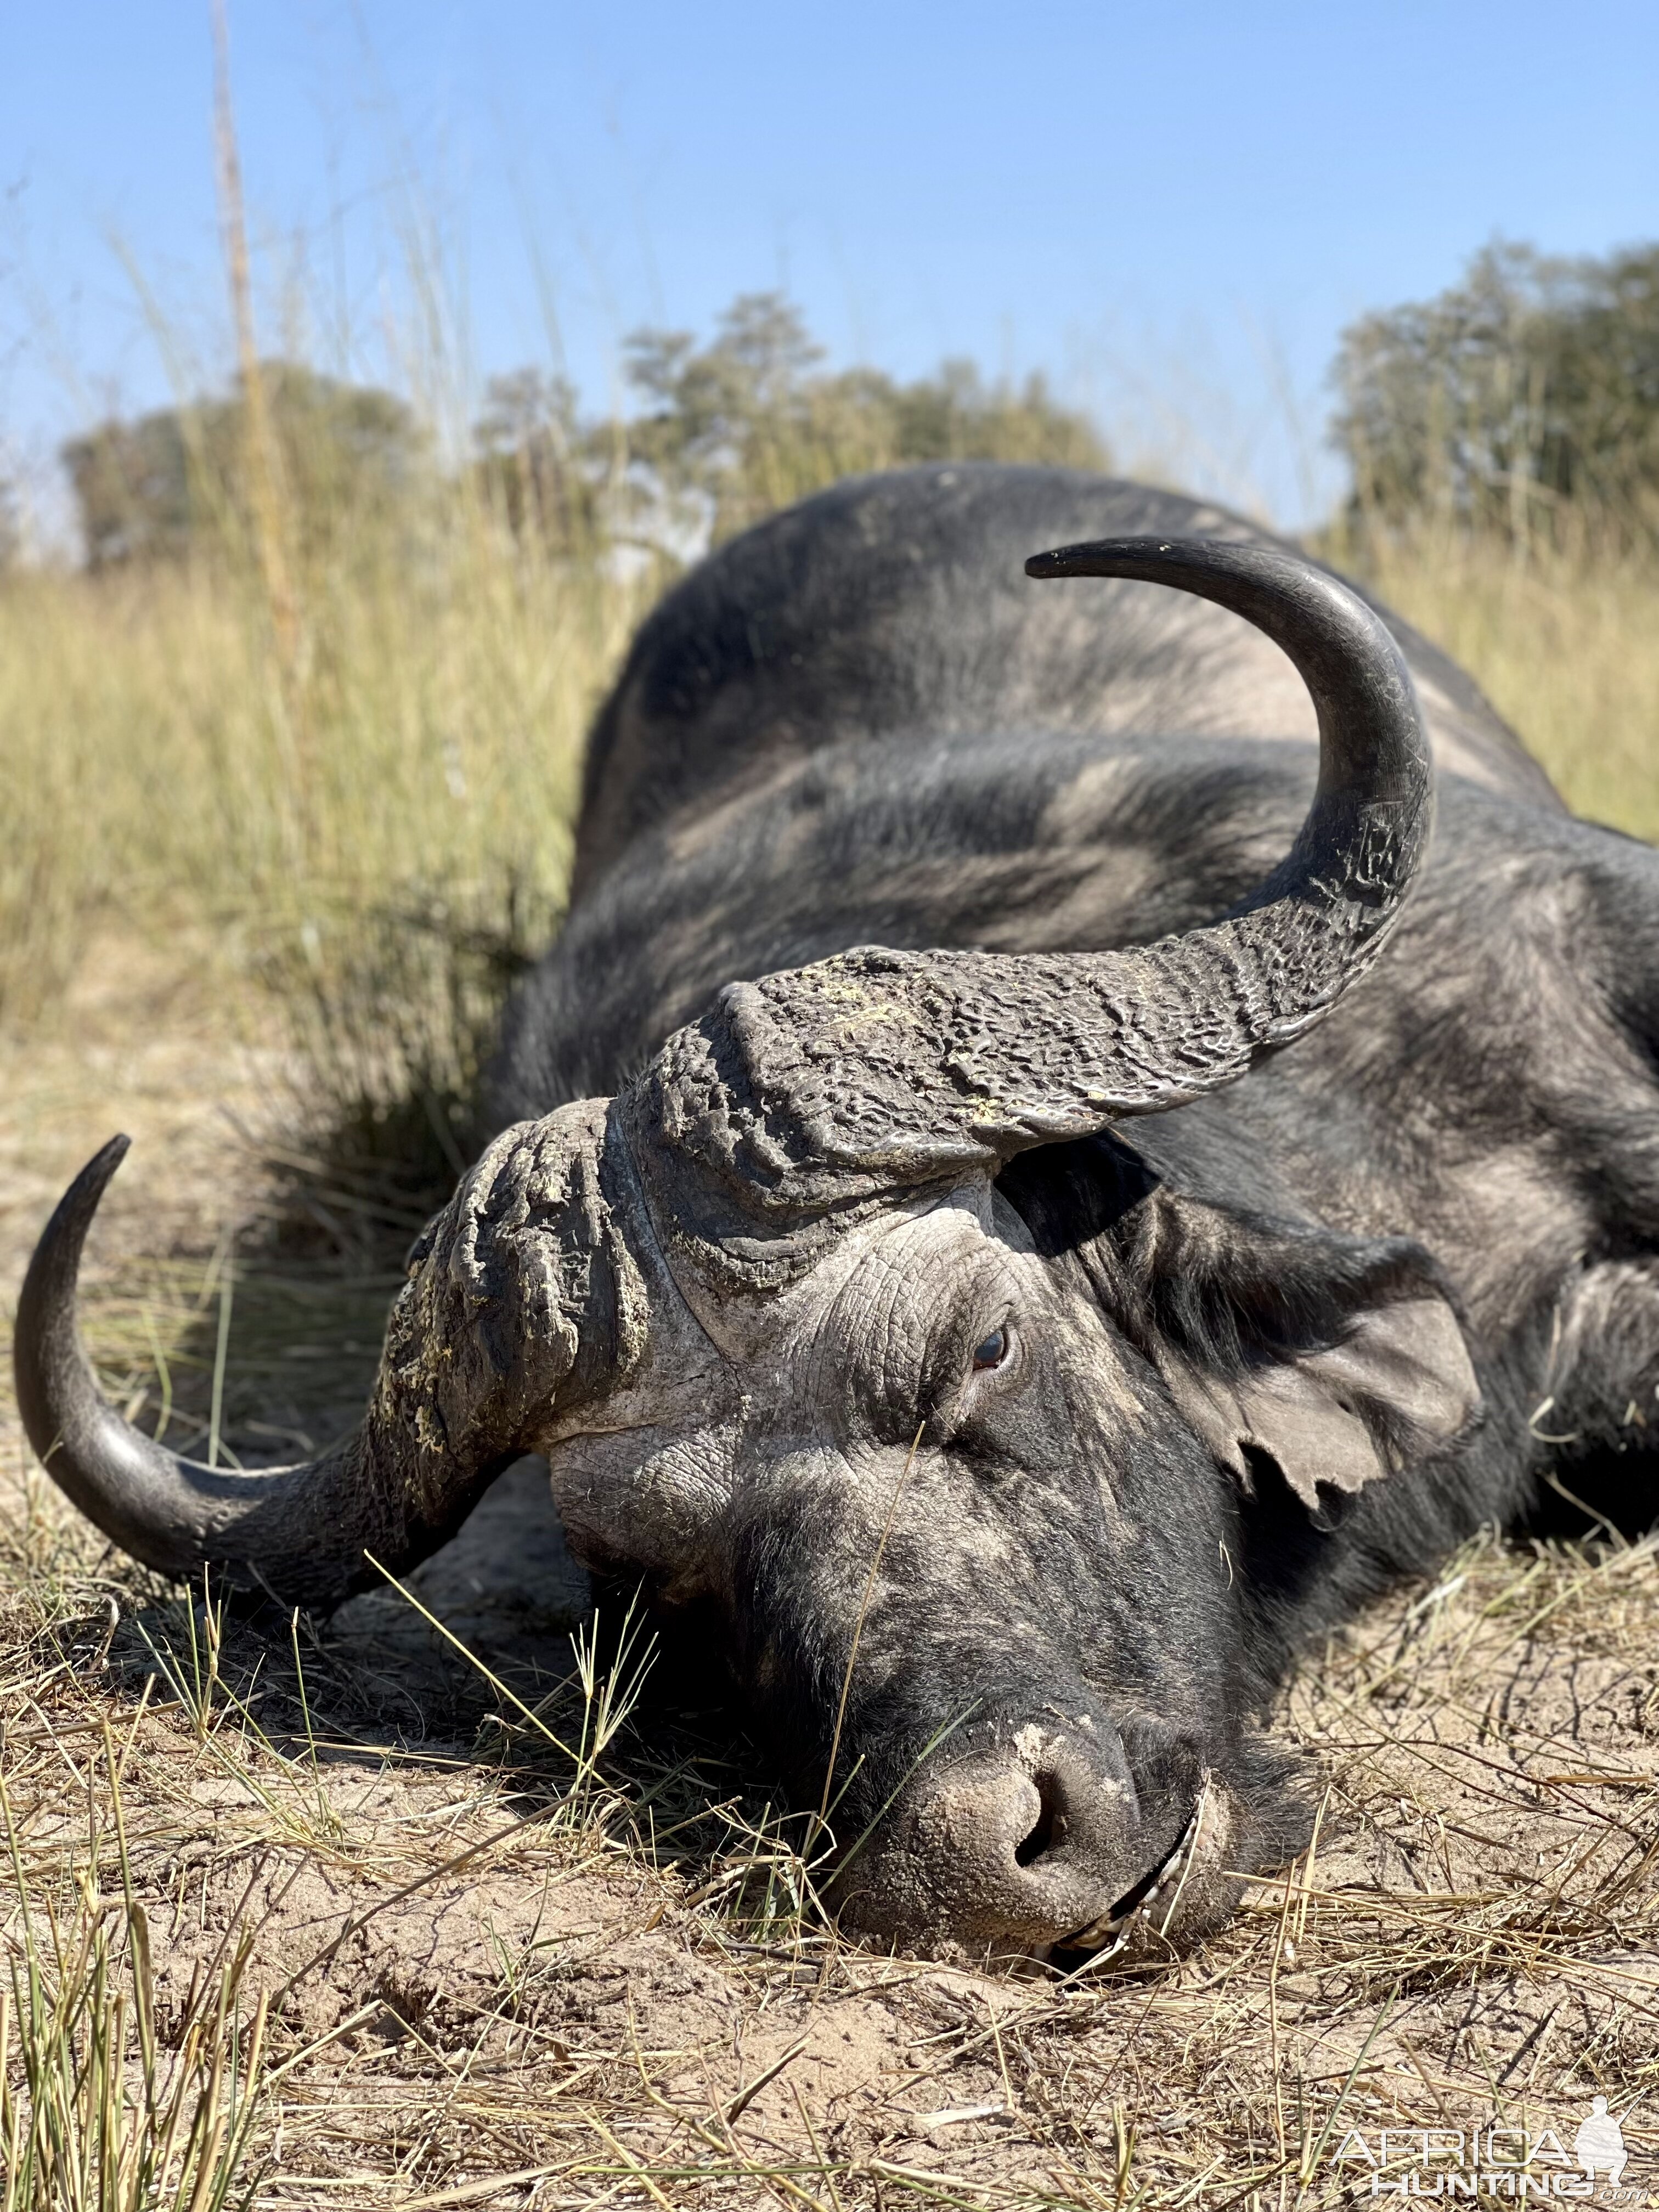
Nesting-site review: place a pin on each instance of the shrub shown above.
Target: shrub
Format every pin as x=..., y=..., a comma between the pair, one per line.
x=1518, y=401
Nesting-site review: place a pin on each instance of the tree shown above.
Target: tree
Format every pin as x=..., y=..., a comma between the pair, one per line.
x=173, y=481
x=738, y=426
x=350, y=454
x=748, y=423
x=1528, y=392
x=11, y=526
x=729, y=431
x=132, y=489
x=535, y=458
x=957, y=416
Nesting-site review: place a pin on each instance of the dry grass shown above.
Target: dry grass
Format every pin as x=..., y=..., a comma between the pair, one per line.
x=386, y=1927
x=371, y=820
x=497, y=1964
x=357, y=837
x=504, y=1962
x=1562, y=639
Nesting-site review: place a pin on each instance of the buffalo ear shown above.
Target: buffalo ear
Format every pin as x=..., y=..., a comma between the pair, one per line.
x=1399, y=1383
x=1340, y=1358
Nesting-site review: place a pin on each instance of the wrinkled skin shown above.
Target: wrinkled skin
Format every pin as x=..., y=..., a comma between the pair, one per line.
x=845, y=1422
x=1102, y=1555
x=999, y=1491
x=1056, y=1661
x=1008, y=1491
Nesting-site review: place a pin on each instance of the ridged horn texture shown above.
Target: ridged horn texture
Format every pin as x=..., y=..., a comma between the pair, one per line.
x=811, y=1089
x=522, y=1293
x=800, y=1098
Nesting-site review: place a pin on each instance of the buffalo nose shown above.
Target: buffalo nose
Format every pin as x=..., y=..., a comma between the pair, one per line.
x=1068, y=1811
x=1032, y=1841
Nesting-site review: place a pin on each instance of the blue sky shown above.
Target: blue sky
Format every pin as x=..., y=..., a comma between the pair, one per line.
x=1172, y=210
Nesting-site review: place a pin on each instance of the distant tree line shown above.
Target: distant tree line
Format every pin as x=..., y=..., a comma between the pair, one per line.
x=171, y=482
x=1522, y=399
x=727, y=432
x=723, y=433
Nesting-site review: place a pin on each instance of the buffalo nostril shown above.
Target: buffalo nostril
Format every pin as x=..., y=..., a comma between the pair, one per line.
x=1048, y=1827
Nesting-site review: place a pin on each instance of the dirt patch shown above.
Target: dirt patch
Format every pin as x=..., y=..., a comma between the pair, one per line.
x=504, y=1971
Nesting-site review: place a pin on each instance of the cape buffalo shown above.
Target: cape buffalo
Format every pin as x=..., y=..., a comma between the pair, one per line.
x=1015, y=1305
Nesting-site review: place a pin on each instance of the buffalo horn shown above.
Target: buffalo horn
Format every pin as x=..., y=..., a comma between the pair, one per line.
x=798, y=1099
x=874, y=1070
x=520, y=1293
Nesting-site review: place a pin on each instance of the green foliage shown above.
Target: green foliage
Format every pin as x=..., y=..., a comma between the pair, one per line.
x=132, y=488
x=11, y=526
x=176, y=480
x=536, y=459
x=724, y=434
x=729, y=431
x=1524, y=397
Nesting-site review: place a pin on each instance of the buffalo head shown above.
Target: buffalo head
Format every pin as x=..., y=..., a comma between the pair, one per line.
x=851, y=1319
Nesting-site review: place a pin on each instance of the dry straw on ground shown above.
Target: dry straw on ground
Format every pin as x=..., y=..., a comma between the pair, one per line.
x=407, y=1927
x=299, y=1915
x=496, y=1972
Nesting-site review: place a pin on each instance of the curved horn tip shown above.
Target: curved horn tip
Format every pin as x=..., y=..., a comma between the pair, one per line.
x=1062, y=560
x=94, y=1179
x=43, y=1349
x=65, y=1233
x=1111, y=557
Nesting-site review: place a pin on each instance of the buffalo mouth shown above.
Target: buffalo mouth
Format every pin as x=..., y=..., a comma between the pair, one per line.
x=1150, y=1906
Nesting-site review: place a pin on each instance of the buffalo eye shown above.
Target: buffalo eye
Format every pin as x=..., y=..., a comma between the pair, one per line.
x=992, y=1352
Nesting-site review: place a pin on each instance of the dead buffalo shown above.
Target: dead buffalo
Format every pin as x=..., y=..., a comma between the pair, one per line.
x=1025, y=1189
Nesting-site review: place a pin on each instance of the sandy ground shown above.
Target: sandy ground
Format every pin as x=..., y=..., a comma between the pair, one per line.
x=490, y=1988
